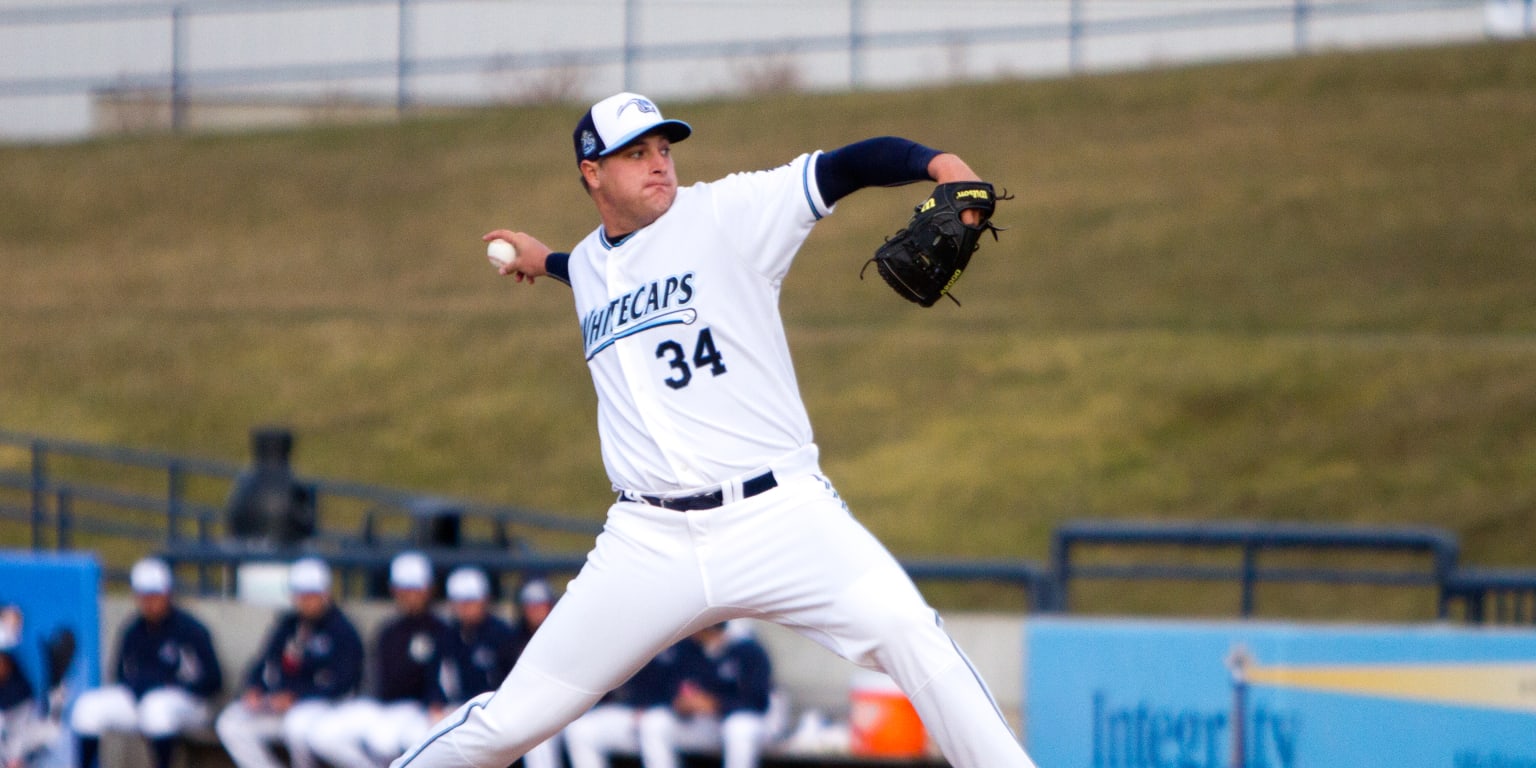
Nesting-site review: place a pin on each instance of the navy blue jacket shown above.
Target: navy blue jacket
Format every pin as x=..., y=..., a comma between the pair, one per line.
x=739, y=676
x=177, y=651
x=15, y=688
x=408, y=660
x=521, y=634
x=321, y=659
x=477, y=659
x=656, y=684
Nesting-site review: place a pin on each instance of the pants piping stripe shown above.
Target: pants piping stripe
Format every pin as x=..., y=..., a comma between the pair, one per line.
x=997, y=710
x=444, y=732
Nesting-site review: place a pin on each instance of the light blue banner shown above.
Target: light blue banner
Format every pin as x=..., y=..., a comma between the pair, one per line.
x=1153, y=694
x=57, y=593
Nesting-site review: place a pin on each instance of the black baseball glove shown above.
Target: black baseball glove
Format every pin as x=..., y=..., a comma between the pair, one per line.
x=922, y=261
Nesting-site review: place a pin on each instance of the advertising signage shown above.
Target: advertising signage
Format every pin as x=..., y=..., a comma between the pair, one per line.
x=1155, y=694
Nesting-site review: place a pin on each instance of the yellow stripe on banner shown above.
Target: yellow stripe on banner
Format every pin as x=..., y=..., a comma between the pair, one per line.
x=1490, y=686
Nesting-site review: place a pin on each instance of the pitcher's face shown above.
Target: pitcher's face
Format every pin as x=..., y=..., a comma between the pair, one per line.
x=634, y=186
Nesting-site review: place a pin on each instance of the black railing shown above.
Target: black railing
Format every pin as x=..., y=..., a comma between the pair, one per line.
x=1417, y=557
x=1494, y=596
x=360, y=526
x=124, y=503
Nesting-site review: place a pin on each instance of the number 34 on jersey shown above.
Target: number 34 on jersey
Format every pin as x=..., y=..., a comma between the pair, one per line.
x=657, y=304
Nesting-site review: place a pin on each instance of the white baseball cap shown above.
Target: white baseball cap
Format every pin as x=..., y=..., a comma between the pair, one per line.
x=536, y=592
x=150, y=576
x=10, y=626
x=410, y=570
x=619, y=119
x=466, y=584
x=308, y=576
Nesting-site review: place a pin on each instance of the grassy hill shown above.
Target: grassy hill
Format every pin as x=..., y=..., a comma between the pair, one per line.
x=1286, y=290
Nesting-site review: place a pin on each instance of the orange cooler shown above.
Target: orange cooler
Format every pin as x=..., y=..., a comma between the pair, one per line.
x=881, y=721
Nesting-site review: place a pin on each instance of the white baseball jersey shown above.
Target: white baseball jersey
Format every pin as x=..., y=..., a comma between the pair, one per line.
x=660, y=330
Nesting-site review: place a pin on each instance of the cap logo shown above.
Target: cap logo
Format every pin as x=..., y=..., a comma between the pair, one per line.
x=644, y=105
x=588, y=143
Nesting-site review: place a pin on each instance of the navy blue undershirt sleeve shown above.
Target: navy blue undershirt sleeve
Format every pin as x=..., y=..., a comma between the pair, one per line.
x=886, y=161
x=558, y=265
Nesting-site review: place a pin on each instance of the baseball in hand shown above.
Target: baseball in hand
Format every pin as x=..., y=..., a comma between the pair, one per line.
x=501, y=253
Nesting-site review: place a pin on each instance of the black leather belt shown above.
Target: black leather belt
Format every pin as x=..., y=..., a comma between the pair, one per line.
x=750, y=487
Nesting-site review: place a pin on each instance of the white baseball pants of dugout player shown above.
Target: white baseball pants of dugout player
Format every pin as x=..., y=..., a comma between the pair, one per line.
x=657, y=734
x=740, y=737
x=603, y=730
x=162, y=712
x=246, y=733
x=25, y=733
x=366, y=733
x=793, y=555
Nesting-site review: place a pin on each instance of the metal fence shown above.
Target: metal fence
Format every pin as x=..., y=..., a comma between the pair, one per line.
x=405, y=53
x=1403, y=556
x=1493, y=596
x=125, y=503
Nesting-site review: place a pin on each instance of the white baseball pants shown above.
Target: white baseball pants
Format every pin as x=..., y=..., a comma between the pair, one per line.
x=793, y=555
x=603, y=730
x=24, y=733
x=161, y=713
x=740, y=738
x=545, y=755
x=658, y=734
x=366, y=733
x=246, y=733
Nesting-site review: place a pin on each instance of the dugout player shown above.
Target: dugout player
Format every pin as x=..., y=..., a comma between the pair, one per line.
x=405, y=675
x=479, y=651
x=534, y=602
x=166, y=673
x=722, y=509
x=25, y=734
x=613, y=726
x=481, y=648
x=312, y=659
x=721, y=704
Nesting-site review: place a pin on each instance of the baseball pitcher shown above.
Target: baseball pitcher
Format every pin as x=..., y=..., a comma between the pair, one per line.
x=722, y=510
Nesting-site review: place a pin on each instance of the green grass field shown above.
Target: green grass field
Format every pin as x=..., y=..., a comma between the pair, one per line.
x=1295, y=290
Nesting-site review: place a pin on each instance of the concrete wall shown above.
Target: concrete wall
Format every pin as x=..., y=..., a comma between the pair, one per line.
x=813, y=677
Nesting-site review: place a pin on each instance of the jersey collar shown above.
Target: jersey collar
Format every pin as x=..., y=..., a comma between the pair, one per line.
x=612, y=243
